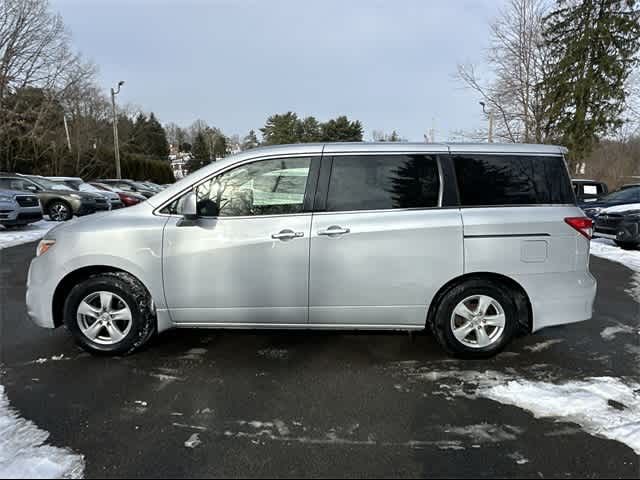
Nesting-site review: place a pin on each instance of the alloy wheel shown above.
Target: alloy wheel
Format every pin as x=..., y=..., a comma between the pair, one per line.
x=104, y=318
x=478, y=321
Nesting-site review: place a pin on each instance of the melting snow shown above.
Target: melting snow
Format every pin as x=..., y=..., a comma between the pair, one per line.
x=24, y=454
x=602, y=406
x=26, y=234
x=539, y=347
x=607, y=249
x=193, y=442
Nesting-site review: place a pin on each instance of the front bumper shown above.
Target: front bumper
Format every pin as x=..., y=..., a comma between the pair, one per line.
x=40, y=289
x=84, y=207
x=624, y=230
x=12, y=214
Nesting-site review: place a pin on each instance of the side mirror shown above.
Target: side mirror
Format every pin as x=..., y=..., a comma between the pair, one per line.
x=188, y=206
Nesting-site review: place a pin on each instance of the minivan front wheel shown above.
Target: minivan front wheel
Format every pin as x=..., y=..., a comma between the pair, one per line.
x=476, y=319
x=110, y=314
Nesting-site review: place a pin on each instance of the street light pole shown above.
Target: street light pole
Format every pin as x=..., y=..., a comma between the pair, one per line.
x=490, y=114
x=116, y=144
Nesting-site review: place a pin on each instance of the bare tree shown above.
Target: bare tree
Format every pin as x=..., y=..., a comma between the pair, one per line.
x=516, y=59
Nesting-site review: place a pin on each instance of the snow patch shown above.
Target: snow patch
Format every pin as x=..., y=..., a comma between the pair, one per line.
x=603, y=248
x=24, y=454
x=539, y=347
x=486, y=433
x=26, y=234
x=193, y=441
x=602, y=406
x=274, y=353
x=610, y=333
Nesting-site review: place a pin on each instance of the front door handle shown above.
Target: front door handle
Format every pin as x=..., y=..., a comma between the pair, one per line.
x=334, y=230
x=287, y=235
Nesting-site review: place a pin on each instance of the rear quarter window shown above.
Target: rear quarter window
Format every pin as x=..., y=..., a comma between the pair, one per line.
x=497, y=180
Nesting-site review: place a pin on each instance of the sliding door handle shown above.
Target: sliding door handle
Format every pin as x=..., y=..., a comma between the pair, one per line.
x=334, y=230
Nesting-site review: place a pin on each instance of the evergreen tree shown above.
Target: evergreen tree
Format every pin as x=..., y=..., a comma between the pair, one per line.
x=156, y=139
x=341, y=130
x=309, y=130
x=281, y=129
x=250, y=141
x=201, y=155
x=593, y=47
x=220, y=146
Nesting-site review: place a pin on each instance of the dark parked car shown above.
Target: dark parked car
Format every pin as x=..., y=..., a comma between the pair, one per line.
x=129, y=186
x=620, y=197
x=588, y=190
x=59, y=202
x=620, y=224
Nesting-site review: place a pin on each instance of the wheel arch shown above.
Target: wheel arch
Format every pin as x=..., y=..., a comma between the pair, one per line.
x=73, y=278
x=523, y=303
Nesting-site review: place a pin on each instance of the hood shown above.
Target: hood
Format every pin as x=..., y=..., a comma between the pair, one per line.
x=622, y=208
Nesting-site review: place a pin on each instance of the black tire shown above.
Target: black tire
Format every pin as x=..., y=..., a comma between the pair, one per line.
x=54, y=214
x=441, y=322
x=627, y=245
x=136, y=297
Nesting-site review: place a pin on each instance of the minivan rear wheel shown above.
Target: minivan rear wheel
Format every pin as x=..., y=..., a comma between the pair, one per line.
x=475, y=319
x=110, y=313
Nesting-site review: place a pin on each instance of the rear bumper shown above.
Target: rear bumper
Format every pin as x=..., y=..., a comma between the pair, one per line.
x=559, y=298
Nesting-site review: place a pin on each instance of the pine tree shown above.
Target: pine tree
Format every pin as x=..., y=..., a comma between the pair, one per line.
x=309, y=130
x=593, y=47
x=250, y=141
x=156, y=139
x=201, y=155
x=281, y=129
x=341, y=130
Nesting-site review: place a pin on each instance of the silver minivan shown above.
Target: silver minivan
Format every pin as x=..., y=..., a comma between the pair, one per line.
x=477, y=242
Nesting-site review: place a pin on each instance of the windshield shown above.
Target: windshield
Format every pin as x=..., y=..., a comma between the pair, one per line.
x=626, y=195
x=87, y=187
x=49, y=185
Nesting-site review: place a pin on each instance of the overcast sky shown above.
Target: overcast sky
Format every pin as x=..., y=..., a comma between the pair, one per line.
x=389, y=64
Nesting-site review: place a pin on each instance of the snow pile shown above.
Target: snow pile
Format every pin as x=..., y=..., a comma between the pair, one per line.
x=607, y=249
x=29, y=233
x=602, y=406
x=23, y=453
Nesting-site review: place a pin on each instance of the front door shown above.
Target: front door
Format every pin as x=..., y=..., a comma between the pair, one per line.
x=245, y=260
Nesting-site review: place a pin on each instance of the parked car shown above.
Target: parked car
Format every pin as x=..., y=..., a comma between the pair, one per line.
x=59, y=202
x=619, y=197
x=129, y=186
x=477, y=242
x=588, y=190
x=79, y=185
x=127, y=198
x=620, y=224
x=629, y=185
x=18, y=209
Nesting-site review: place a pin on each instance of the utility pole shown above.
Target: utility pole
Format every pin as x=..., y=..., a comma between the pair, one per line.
x=116, y=144
x=490, y=114
x=66, y=130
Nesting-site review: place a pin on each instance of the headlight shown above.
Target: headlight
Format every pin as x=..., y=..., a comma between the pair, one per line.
x=6, y=198
x=76, y=196
x=44, y=246
x=592, y=211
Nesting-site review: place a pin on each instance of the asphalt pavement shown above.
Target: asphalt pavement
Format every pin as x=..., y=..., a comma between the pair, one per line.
x=207, y=403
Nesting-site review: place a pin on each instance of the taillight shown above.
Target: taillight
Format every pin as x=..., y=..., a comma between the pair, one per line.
x=584, y=225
